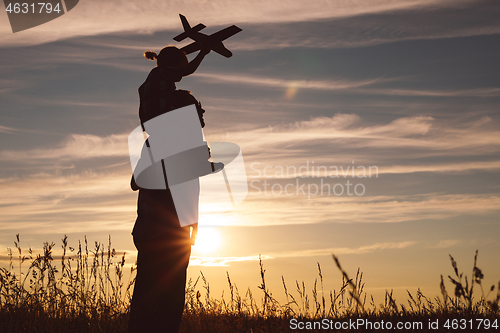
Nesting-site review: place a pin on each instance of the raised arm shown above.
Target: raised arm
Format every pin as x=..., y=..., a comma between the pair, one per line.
x=193, y=65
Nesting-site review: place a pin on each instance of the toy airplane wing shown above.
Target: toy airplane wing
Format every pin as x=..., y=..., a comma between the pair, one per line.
x=214, y=41
x=223, y=34
x=218, y=47
x=188, y=30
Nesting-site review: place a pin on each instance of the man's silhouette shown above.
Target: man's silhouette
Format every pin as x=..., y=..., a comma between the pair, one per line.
x=163, y=245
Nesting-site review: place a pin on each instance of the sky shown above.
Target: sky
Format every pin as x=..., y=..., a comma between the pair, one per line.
x=369, y=129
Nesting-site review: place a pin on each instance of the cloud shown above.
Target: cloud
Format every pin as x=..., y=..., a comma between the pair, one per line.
x=73, y=203
x=346, y=137
x=328, y=85
x=223, y=261
x=94, y=17
x=102, y=199
x=16, y=131
x=340, y=126
x=430, y=21
x=361, y=87
x=8, y=130
x=346, y=250
x=8, y=86
x=226, y=261
x=446, y=243
x=442, y=167
x=75, y=147
x=478, y=92
x=281, y=209
x=345, y=129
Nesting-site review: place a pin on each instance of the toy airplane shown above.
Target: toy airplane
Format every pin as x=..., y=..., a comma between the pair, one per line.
x=214, y=41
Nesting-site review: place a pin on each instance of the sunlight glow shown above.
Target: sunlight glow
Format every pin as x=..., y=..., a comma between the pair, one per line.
x=208, y=240
x=216, y=219
x=291, y=90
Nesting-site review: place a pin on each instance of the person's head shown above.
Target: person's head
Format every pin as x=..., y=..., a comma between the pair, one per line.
x=169, y=56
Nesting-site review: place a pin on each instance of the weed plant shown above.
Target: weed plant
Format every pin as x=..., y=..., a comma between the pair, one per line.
x=84, y=290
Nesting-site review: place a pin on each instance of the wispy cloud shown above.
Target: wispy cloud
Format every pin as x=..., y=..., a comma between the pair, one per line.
x=9, y=130
x=222, y=261
x=346, y=250
x=8, y=86
x=324, y=139
x=296, y=209
x=297, y=84
x=95, y=17
x=446, y=243
x=416, y=132
x=12, y=130
x=430, y=21
x=444, y=167
x=226, y=261
x=364, y=87
x=105, y=202
x=73, y=197
x=478, y=92
x=75, y=203
x=75, y=147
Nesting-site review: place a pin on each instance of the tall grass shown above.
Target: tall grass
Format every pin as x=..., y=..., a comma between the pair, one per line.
x=85, y=290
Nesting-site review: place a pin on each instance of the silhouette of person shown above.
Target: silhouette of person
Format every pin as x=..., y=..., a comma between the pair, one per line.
x=163, y=245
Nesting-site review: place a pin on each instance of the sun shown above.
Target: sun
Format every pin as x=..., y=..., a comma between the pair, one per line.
x=208, y=240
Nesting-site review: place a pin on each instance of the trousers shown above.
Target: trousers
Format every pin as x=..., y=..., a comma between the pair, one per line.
x=159, y=292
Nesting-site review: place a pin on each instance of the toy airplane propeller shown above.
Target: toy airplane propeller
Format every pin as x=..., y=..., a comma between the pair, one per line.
x=214, y=41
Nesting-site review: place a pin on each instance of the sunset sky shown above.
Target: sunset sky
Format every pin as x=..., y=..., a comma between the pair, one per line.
x=409, y=90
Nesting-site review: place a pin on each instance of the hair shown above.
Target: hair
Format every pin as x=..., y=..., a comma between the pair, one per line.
x=150, y=55
x=169, y=56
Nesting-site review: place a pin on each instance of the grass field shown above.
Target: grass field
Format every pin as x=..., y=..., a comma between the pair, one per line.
x=88, y=289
